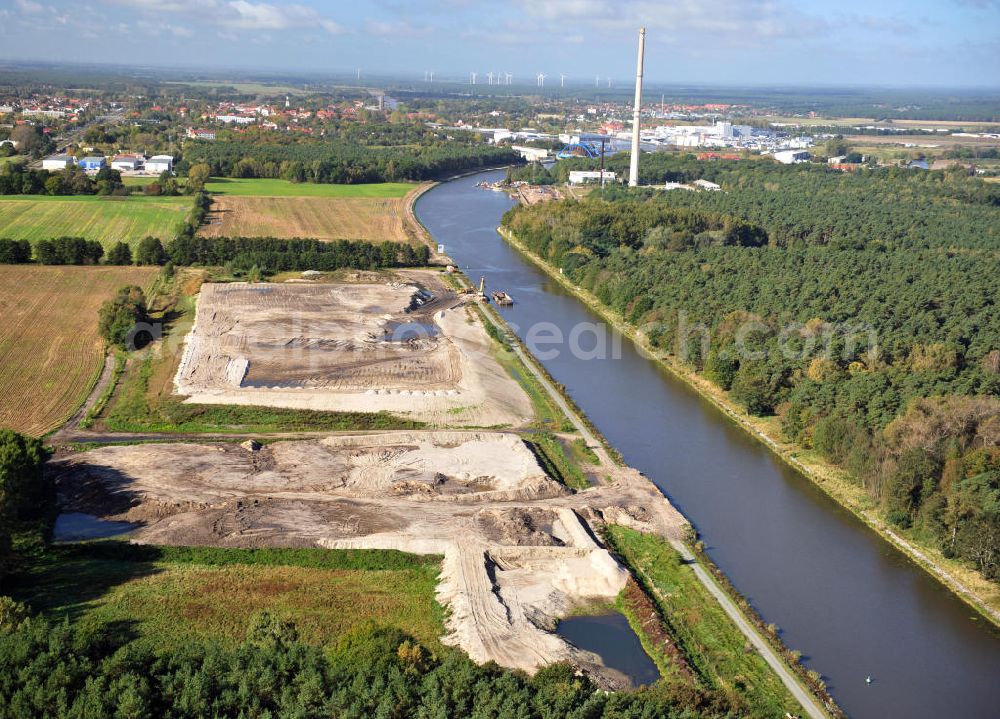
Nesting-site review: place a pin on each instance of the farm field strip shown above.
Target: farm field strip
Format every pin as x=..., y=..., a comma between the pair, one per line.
x=49, y=346
x=105, y=219
x=236, y=187
x=324, y=218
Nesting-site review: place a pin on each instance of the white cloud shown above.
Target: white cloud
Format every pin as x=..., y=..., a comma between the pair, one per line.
x=744, y=22
x=230, y=15
x=264, y=16
x=398, y=29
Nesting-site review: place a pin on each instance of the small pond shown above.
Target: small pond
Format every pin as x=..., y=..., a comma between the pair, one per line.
x=79, y=527
x=610, y=637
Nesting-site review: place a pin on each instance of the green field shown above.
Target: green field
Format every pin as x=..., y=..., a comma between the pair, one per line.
x=284, y=188
x=143, y=180
x=172, y=596
x=105, y=219
x=709, y=640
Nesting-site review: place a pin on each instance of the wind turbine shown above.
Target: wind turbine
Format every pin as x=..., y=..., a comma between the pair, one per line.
x=540, y=78
x=472, y=78
x=562, y=79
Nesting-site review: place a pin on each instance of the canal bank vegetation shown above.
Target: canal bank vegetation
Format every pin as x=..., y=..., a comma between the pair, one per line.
x=691, y=638
x=548, y=416
x=568, y=457
x=863, y=347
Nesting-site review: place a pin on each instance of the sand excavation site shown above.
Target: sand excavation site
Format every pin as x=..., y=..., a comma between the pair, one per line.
x=519, y=549
x=407, y=345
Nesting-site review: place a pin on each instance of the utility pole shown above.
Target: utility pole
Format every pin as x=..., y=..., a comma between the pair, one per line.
x=633, y=173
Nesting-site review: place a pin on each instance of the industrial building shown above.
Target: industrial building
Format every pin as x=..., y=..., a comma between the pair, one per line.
x=58, y=162
x=127, y=163
x=580, y=177
x=791, y=157
x=160, y=163
x=93, y=162
x=531, y=154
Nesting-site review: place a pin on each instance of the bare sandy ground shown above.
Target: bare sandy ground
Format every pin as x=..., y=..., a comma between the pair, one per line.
x=395, y=346
x=519, y=549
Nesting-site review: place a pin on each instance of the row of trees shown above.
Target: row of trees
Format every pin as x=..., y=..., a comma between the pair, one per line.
x=18, y=179
x=846, y=341
x=267, y=254
x=271, y=255
x=78, y=251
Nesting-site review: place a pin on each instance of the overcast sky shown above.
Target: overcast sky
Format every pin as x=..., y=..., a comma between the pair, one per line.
x=847, y=42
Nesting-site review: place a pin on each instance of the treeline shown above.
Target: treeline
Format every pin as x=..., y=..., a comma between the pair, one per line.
x=598, y=228
x=17, y=178
x=267, y=254
x=339, y=162
x=811, y=204
x=883, y=357
x=25, y=498
x=79, y=251
x=55, y=670
x=271, y=255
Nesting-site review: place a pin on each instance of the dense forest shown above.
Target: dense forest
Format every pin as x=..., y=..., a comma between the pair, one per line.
x=57, y=671
x=813, y=204
x=860, y=309
x=343, y=161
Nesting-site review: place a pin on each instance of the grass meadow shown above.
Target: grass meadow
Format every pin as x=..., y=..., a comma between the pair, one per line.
x=171, y=596
x=284, y=188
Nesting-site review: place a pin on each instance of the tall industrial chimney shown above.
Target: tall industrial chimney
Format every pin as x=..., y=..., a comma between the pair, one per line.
x=633, y=173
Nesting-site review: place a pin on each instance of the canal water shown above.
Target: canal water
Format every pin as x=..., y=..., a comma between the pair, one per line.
x=852, y=604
